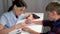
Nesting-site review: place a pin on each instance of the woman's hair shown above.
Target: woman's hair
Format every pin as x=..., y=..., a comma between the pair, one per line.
x=18, y=3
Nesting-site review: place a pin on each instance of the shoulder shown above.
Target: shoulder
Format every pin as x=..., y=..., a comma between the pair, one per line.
x=6, y=14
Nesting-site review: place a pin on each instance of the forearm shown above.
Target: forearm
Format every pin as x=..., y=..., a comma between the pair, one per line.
x=1, y=26
x=7, y=30
x=33, y=32
x=38, y=22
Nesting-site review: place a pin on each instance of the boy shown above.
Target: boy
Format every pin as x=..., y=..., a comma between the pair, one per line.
x=53, y=12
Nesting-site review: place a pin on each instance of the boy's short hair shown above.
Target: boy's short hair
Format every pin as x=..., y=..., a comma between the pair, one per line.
x=53, y=6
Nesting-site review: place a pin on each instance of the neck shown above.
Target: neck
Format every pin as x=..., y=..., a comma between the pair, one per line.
x=14, y=13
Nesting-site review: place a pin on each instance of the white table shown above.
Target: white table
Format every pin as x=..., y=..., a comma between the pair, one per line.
x=37, y=28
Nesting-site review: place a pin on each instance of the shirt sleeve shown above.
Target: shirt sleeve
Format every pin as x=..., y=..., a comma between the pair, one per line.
x=3, y=20
x=56, y=29
x=47, y=23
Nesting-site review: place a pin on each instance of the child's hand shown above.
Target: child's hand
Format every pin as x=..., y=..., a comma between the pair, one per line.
x=29, y=18
x=27, y=15
x=28, y=21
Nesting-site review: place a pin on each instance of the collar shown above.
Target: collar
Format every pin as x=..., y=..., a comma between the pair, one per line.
x=58, y=20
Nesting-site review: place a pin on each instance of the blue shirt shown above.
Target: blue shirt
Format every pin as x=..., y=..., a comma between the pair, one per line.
x=9, y=19
x=55, y=26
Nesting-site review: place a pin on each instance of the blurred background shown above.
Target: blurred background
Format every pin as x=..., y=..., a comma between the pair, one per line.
x=37, y=6
x=33, y=6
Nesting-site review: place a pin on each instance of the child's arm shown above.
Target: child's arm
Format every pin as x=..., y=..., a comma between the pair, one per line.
x=7, y=30
x=38, y=22
x=44, y=22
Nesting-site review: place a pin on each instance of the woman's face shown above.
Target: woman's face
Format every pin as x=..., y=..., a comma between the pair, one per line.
x=18, y=10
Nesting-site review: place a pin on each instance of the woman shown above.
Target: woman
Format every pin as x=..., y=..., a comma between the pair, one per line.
x=9, y=19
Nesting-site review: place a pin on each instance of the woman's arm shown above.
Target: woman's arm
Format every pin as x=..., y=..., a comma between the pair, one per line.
x=7, y=30
x=33, y=32
x=29, y=30
x=1, y=26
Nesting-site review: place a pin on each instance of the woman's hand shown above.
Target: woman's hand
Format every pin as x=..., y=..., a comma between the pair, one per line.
x=20, y=25
x=26, y=29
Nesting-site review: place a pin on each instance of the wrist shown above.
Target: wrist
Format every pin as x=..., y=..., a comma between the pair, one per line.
x=17, y=26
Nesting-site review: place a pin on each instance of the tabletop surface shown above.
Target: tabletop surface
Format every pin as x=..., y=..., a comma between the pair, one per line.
x=37, y=28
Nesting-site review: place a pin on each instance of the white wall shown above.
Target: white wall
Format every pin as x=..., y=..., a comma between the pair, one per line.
x=33, y=5
x=37, y=6
x=1, y=7
x=4, y=5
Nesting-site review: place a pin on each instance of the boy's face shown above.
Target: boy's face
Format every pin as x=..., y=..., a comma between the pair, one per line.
x=51, y=15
